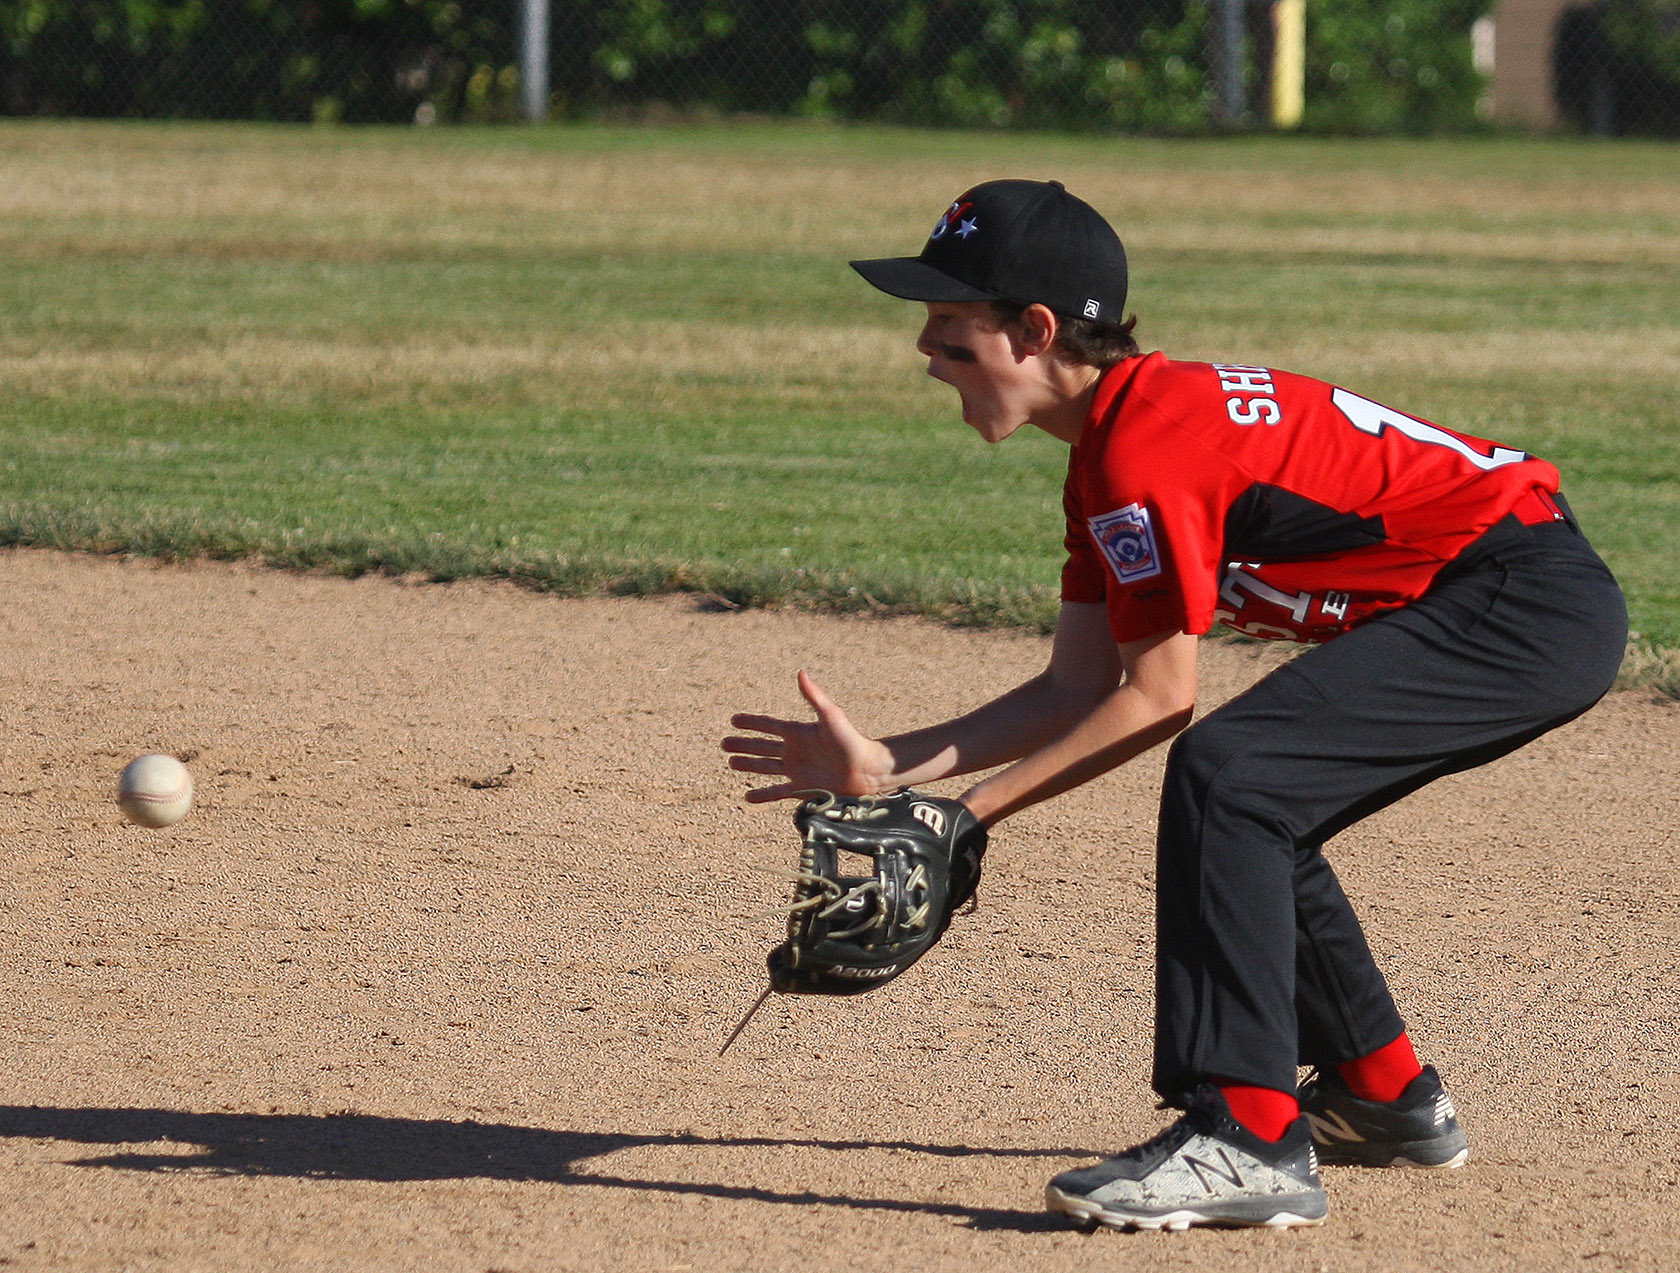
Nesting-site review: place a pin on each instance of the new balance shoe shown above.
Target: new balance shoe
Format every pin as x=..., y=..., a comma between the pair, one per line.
x=1206, y=1169
x=1420, y=1129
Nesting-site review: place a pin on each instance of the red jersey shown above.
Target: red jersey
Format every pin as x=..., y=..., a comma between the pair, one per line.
x=1284, y=507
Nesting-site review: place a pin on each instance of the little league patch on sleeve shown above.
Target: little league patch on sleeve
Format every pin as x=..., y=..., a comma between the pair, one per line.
x=1127, y=540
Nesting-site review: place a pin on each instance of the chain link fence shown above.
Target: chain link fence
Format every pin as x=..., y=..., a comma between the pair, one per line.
x=1167, y=66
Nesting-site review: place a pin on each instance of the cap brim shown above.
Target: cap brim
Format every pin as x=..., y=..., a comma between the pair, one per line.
x=912, y=279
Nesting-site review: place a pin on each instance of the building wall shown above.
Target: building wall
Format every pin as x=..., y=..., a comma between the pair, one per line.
x=1522, y=62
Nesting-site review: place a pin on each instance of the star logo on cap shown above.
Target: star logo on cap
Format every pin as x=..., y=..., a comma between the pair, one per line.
x=953, y=216
x=968, y=227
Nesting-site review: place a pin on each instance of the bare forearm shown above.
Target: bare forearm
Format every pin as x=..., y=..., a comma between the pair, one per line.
x=1097, y=704
x=1126, y=724
x=1005, y=729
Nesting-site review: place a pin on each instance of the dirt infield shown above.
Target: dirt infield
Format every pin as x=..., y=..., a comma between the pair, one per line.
x=435, y=975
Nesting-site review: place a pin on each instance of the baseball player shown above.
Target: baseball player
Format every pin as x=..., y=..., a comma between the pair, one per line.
x=1453, y=612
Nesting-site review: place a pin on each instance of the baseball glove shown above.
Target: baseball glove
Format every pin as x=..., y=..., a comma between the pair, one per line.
x=850, y=933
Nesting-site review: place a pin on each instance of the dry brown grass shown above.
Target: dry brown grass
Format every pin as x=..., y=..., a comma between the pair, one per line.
x=607, y=364
x=385, y=194
x=242, y=194
x=618, y=361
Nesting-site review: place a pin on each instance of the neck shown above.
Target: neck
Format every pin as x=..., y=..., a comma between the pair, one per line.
x=1074, y=386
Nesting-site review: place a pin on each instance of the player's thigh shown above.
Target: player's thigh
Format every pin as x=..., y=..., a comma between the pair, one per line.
x=1363, y=719
x=1497, y=652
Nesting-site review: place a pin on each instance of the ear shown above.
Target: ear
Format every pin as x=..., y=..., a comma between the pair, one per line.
x=1038, y=328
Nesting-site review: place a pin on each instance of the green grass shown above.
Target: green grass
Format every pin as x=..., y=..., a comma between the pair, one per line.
x=634, y=359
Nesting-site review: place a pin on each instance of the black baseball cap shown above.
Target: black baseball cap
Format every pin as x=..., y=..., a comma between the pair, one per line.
x=1030, y=242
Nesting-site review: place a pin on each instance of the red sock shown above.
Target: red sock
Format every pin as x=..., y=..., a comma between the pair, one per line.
x=1384, y=1074
x=1263, y=1111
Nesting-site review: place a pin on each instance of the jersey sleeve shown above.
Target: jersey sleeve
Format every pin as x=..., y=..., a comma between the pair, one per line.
x=1162, y=553
x=1155, y=563
x=1146, y=513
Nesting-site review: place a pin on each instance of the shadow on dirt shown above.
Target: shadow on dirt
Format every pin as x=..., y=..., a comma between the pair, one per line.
x=367, y=1147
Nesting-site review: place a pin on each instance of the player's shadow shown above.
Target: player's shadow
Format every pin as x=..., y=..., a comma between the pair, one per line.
x=367, y=1147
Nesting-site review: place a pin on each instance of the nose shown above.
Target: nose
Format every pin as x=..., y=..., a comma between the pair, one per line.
x=925, y=344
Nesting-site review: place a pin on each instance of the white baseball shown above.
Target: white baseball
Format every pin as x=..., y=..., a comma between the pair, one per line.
x=155, y=791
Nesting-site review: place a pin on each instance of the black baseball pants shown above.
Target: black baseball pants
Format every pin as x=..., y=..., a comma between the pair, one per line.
x=1261, y=963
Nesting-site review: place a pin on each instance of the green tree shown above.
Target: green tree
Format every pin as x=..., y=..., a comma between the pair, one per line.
x=1392, y=66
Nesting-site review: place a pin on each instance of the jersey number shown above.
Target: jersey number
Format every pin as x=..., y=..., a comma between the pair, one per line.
x=1237, y=587
x=1372, y=417
x=1237, y=581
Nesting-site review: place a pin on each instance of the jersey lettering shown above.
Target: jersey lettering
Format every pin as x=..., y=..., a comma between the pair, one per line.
x=1239, y=586
x=1372, y=417
x=1238, y=581
x=1253, y=410
x=1235, y=378
x=1261, y=406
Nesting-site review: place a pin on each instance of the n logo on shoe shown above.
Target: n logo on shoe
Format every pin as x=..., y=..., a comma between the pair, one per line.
x=1330, y=1126
x=1202, y=1169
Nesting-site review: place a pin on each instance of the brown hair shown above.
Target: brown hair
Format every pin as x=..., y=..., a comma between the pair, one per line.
x=1084, y=340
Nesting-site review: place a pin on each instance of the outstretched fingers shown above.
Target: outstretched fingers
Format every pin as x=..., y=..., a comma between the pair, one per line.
x=757, y=765
x=827, y=753
x=763, y=724
x=746, y=746
x=781, y=791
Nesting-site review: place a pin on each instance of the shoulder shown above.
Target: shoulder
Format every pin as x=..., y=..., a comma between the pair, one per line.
x=1155, y=413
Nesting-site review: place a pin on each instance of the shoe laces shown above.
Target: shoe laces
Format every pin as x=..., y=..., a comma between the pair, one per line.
x=1168, y=1138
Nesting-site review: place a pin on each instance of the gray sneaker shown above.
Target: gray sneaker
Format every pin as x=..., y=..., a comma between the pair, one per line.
x=1420, y=1129
x=1206, y=1169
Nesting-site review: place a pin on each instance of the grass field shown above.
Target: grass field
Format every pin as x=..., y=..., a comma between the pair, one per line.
x=634, y=359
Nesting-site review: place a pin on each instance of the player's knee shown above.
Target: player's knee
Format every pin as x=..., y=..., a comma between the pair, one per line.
x=1213, y=767
x=1201, y=752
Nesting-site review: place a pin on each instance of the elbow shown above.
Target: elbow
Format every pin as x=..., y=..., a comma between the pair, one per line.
x=1178, y=718
x=1179, y=703
x=1172, y=712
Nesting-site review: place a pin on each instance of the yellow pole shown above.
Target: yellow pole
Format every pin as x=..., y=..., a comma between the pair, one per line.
x=1289, y=62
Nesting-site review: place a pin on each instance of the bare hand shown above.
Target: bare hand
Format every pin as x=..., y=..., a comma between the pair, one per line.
x=827, y=754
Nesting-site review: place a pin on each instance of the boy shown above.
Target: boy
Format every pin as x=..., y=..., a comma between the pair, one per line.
x=1455, y=613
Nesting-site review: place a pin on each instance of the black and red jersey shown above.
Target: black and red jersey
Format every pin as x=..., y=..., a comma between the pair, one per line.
x=1282, y=506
